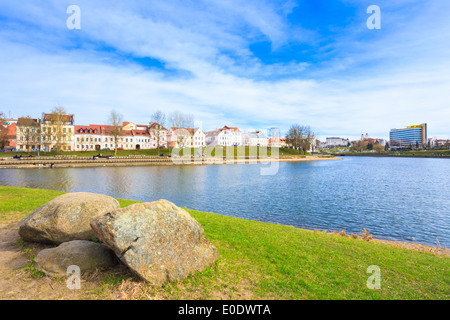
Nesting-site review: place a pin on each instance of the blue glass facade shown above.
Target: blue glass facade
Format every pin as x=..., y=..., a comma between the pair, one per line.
x=410, y=136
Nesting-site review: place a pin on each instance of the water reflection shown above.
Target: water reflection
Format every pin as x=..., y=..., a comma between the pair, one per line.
x=398, y=199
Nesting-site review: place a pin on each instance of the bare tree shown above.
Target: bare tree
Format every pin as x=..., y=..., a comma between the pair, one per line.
x=301, y=137
x=3, y=131
x=180, y=123
x=308, y=138
x=181, y=120
x=159, y=118
x=115, y=121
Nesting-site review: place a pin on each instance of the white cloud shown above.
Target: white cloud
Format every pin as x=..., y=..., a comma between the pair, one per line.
x=400, y=78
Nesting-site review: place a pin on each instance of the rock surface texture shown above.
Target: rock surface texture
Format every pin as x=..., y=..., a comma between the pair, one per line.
x=66, y=218
x=87, y=255
x=159, y=241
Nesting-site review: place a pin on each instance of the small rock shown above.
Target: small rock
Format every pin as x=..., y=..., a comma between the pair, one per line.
x=158, y=241
x=87, y=255
x=66, y=218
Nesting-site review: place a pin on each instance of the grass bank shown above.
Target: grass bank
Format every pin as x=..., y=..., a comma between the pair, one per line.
x=153, y=152
x=259, y=261
x=420, y=153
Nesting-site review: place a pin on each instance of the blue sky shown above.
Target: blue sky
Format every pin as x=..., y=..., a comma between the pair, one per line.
x=254, y=64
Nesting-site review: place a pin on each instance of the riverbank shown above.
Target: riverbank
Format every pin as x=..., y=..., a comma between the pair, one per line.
x=86, y=162
x=395, y=155
x=257, y=261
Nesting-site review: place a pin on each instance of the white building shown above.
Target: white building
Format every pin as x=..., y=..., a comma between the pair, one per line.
x=158, y=133
x=227, y=137
x=255, y=139
x=186, y=138
x=88, y=138
x=98, y=137
x=337, y=142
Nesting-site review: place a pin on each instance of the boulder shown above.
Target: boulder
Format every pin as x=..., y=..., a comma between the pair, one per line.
x=87, y=255
x=158, y=241
x=66, y=218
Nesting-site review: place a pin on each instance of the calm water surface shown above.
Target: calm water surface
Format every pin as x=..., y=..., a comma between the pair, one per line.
x=393, y=198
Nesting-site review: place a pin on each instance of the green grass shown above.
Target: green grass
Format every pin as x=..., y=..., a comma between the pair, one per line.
x=30, y=266
x=426, y=153
x=151, y=152
x=123, y=153
x=262, y=260
x=423, y=152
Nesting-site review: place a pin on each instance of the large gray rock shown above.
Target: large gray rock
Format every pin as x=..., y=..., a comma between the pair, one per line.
x=159, y=241
x=87, y=255
x=66, y=218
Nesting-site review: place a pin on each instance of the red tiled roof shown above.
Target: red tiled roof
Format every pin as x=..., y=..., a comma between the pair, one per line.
x=140, y=132
x=88, y=129
x=230, y=128
x=218, y=131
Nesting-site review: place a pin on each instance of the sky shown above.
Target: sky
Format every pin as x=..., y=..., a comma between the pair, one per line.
x=254, y=64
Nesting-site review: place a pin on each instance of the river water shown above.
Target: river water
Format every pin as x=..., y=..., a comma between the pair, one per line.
x=393, y=198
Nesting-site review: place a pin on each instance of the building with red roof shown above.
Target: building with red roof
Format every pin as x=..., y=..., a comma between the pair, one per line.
x=226, y=136
x=99, y=137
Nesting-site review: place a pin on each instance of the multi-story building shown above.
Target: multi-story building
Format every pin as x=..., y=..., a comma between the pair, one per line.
x=28, y=134
x=88, y=138
x=158, y=134
x=130, y=137
x=333, y=142
x=411, y=136
x=58, y=132
x=186, y=138
x=436, y=143
x=255, y=139
x=227, y=137
x=140, y=136
x=275, y=142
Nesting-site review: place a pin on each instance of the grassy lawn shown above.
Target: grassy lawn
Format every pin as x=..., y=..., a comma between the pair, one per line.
x=411, y=153
x=423, y=152
x=149, y=152
x=209, y=151
x=267, y=261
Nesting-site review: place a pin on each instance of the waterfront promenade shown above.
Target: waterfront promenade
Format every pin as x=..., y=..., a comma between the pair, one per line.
x=139, y=160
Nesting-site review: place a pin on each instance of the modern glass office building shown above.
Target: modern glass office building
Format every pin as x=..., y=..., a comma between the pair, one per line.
x=410, y=136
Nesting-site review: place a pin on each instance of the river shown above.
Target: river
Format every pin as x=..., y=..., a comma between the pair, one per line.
x=393, y=198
